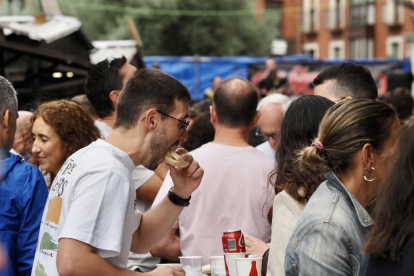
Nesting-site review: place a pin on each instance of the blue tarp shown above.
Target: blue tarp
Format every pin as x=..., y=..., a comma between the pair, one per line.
x=197, y=72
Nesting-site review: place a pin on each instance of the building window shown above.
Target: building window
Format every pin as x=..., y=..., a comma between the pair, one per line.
x=310, y=16
x=311, y=52
x=361, y=48
x=393, y=12
x=311, y=49
x=337, y=49
x=362, y=12
x=336, y=14
x=395, y=47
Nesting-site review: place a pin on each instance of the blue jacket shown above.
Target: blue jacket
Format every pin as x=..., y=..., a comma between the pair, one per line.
x=329, y=234
x=23, y=195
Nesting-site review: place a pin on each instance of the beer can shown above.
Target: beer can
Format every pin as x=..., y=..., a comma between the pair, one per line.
x=233, y=241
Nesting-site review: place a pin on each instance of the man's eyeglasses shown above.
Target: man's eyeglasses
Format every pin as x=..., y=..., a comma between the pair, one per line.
x=266, y=136
x=183, y=125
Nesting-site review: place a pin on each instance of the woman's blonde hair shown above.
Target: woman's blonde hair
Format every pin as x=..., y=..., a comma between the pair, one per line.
x=345, y=129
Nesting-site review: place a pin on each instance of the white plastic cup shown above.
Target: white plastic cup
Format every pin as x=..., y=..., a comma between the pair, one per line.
x=230, y=262
x=217, y=267
x=195, y=262
x=244, y=266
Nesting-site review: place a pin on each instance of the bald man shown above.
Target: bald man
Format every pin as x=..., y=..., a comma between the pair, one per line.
x=272, y=109
x=22, y=120
x=234, y=188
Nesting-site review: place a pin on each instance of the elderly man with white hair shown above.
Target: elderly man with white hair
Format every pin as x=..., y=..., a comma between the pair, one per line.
x=272, y=109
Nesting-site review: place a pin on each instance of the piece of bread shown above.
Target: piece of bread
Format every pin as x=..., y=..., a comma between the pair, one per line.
x=174, y=159
x=206, y=269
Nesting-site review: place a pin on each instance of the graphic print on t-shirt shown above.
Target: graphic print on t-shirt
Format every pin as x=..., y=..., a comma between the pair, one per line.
x=55, y=204
x=54, y=210
x=40, y=270
x=91, y=200
x=48, y=243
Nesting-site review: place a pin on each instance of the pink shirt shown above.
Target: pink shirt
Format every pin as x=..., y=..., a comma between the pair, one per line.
x=233, y=195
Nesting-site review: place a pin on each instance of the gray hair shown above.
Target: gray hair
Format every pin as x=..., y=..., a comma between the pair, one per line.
x=283, y=100
x=8, y=98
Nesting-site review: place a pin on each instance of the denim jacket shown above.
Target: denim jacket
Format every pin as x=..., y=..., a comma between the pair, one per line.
x=329, y=234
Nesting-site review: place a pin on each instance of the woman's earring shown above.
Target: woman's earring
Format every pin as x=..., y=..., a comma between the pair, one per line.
x=369, y=180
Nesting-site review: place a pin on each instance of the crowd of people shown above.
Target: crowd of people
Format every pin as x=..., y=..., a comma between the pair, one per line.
x=319, y=184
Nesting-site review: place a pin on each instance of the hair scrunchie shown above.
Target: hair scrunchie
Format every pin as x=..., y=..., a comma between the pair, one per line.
x=319, y=146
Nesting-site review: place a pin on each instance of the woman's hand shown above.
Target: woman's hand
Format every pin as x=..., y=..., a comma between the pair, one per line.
x=255, y=246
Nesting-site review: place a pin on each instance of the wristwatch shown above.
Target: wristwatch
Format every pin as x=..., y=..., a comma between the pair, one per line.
x=178, y=200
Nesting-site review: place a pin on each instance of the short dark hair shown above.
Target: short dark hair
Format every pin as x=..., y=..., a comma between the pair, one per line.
x=200, y=133
x=401, y=100
x=148, y=88
x=103, y=78
x=235, y=101
x=351, y=80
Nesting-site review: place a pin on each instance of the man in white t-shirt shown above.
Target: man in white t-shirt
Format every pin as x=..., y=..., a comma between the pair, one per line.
x=91, y=221
x=103, y=87
x=234, y=193
x=272, y=109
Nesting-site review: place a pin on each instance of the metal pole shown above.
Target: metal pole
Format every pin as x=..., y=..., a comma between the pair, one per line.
x=197, y=76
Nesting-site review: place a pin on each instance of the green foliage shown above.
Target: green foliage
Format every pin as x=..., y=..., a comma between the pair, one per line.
x=181, y=34
x=180, y=27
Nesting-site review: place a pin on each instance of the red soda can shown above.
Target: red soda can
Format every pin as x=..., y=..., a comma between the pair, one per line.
x=233, y=241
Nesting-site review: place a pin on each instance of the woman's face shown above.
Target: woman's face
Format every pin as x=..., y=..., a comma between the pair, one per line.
x=47, y=147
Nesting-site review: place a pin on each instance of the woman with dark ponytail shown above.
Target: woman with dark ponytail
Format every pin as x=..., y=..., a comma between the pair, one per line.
x=293, y=188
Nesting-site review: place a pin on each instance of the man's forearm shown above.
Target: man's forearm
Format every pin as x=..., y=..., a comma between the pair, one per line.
x=75, y=258
x=155, y=225
x=168, y=248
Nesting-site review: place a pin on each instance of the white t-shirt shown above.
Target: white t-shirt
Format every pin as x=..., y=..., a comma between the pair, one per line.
x=140, y=173
x=267, y=149
x=104, y=128
x=233, y=195
x=145, y=262
x=92, y=200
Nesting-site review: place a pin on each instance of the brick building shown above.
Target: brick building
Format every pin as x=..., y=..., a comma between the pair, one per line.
x=347, y=28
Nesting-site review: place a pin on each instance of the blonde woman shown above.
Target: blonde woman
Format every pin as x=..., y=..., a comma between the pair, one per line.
x=356, y=139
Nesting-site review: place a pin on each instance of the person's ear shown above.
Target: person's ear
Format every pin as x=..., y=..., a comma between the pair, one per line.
x=368, y=155
x=6, y=120
x=348, y=98
x=213, y=115
x=114, y=95
x=256, y=118
x=151, y=119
